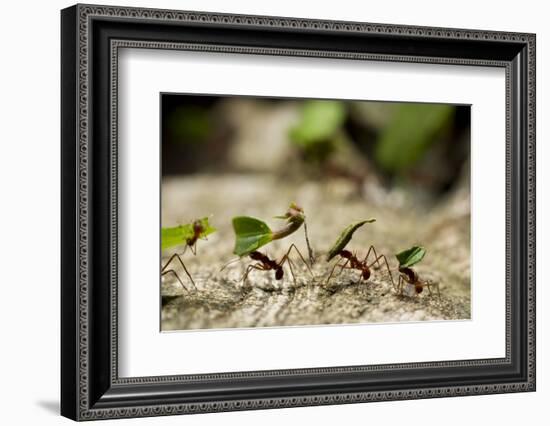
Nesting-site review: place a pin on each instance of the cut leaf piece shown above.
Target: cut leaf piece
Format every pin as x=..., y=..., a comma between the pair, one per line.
x=345, y=237
x=251, y=234
x=410, y=257
x=177, y=235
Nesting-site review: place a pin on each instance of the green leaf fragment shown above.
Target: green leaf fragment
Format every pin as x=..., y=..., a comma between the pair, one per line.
x=345, y=237
x=251, y=234
x=207, y=229
x=410, y=257
x=320, y=120
x=178, y=235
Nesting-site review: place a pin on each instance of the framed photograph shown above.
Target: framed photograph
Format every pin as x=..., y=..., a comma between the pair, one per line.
x=263, y=212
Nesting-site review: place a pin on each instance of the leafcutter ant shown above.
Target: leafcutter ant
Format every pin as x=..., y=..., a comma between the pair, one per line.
x=252, y=233
x=187, y=234
x=408, y=276
x=349, y=260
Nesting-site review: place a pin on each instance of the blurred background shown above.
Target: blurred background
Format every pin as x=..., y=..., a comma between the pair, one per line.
x=376, y=146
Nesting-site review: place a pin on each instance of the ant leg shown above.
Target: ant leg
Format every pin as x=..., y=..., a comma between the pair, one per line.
x=293, y=246
x=387, y=267
x=428, y=287
x=229, y=263
x=332, y=271
x=177, y=277
x=246, y=272
x=248, y=269
x=174, y=256
x=245, y=275
x=177, y=256
x=436, y=285
x=360, y=278
x=290, y=263
x=371, y=248
x=399, y=289
x=344, y=266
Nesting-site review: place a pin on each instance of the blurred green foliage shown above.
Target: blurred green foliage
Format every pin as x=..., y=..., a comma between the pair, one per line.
x=316, y=133
x=409, y=133
x=189, y=124
x=348, y=139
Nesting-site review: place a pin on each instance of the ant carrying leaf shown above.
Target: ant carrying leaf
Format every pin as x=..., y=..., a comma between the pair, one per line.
x=252, y=233
x=407, y=259
x=188, y=235
x=349, y=258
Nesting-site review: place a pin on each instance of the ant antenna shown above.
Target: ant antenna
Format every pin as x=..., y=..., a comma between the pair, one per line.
x=309, y=249
x=229, y=263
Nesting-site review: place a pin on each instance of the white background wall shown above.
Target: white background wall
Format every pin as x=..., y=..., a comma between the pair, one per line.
x=29, y=213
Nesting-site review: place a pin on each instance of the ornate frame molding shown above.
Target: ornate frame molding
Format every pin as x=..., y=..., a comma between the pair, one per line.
x=88, y=402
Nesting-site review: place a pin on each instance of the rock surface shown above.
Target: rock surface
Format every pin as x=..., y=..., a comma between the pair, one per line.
x=222, y=300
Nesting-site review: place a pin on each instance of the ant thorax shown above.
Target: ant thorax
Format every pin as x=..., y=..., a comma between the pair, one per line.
x=354, y=263
x=264, y=259
x=256, y=255
x=346, y=254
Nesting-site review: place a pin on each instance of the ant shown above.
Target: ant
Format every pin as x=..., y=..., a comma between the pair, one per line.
x=252, y=233
x=360, y=265
x=407, y=275
x=410, y=276
x=264, y=263
x=338, y=249
x=190, y=234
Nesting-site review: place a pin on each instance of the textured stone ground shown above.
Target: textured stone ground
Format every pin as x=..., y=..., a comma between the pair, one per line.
x=222, y=300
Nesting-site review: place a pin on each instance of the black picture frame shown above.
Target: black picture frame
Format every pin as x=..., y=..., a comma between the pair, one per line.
x=90, y=386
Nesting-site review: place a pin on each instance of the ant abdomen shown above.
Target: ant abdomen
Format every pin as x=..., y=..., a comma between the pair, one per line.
x=279, y=274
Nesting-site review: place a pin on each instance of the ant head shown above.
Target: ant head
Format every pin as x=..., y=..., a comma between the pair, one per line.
x=197, y=226
x=366, y=274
